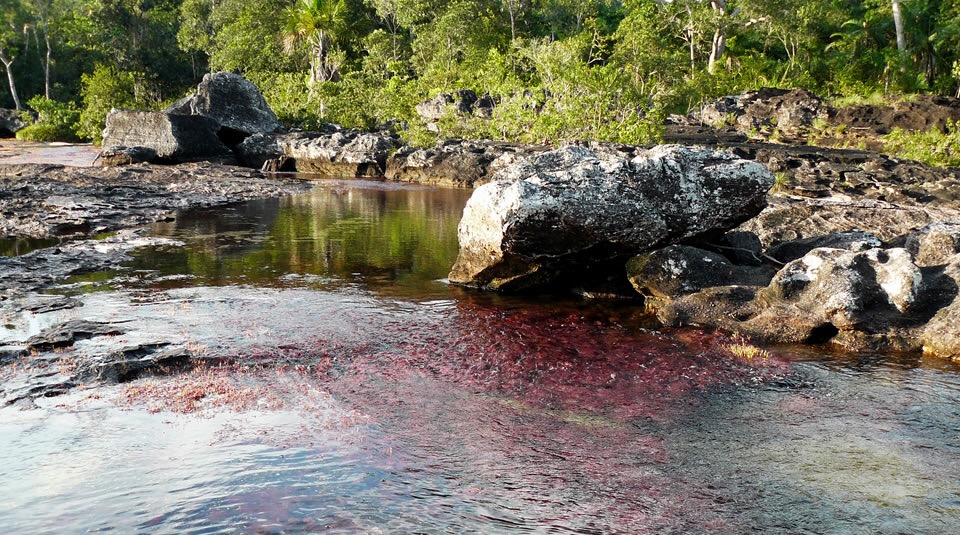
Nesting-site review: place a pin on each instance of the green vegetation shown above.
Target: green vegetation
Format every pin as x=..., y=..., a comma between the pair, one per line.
x=56, y=121
x=558, y=69
x=934, y=146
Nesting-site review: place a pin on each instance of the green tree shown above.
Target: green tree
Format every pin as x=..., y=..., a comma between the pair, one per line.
x=319, y=23
x=11, y=20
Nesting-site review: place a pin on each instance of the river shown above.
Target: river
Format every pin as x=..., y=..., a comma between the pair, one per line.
x=351, y=390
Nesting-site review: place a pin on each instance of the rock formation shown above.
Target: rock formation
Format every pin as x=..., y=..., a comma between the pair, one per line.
x=572, y=213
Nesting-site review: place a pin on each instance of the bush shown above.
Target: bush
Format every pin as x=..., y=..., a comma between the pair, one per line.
x=56, y=121
x=933, y=147
x=104, y=89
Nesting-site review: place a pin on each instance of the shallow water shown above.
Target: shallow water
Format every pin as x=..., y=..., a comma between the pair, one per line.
x=13, y=151
x=366, y=395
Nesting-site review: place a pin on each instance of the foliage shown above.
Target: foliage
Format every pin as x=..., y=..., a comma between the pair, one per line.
x=56, y=121
x=559, y=69
x=108, y=88
x=934, y=146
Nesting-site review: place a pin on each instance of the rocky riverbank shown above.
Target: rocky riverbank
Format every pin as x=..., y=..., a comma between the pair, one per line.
x=850, y=247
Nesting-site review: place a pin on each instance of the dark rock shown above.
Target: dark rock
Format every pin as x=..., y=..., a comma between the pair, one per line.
x=127, y=155
x=66, y=334
x=233, y=102
x=257, y=149
x=854, y=240
x=10, y=122
x=130, y=363
x=677, y=270
x=571, y=214
x=172, y=137
x=742, y=248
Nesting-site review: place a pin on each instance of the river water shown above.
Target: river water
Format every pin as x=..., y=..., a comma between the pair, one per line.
x=351, y=390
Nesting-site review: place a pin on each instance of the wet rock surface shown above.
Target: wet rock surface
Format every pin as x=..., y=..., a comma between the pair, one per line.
x=73, y=203
x=52, y=200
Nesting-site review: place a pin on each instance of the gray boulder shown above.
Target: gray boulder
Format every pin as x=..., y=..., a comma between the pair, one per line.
x=941, y=335
x=233, y=102
x=171, y=136
x=10, y=122
x=571, y=214
x=344, y=153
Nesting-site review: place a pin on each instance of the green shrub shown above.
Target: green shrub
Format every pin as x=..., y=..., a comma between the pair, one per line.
x=102, y=90
x=933, y=147
x=56, y=121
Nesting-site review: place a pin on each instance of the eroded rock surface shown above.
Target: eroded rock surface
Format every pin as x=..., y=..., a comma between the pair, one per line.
x=571, y=211
x=40, y=201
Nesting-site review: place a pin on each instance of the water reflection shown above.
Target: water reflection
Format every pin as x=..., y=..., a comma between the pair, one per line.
x=382, y=235
x=414, y=407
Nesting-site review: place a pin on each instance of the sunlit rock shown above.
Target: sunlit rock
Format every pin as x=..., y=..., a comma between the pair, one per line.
x=171, y=137
x=346, y=153
x=573, y=214
x=233, y=102
x=941, y=335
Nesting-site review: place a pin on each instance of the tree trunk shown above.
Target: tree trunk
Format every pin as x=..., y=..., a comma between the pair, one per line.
x=719, y=44
x=46, y=59
x=7, y=63
x=898, y=25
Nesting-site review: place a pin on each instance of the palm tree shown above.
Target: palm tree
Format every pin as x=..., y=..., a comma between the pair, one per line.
x=318, y=23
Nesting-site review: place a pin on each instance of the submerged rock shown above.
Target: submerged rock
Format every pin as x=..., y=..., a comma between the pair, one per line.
x=571, y=214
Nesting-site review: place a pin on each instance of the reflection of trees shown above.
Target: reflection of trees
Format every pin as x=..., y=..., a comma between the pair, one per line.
x=392, y=234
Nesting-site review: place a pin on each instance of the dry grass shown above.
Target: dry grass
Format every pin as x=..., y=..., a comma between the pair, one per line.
x=744, y=350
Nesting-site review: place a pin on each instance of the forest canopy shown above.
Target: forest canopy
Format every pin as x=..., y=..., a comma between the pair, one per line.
x=557, y=69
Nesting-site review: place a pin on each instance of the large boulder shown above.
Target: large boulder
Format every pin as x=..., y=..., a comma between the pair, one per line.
x=225, y=110
x=172, y=137
x=572, y=214
x=941, y=335
x=10, y=122
x=233, y=102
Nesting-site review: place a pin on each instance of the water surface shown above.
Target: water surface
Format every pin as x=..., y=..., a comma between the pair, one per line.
x=362, y=394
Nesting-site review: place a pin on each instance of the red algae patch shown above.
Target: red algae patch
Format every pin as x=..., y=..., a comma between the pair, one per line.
x=235, y=388
x=569, y=361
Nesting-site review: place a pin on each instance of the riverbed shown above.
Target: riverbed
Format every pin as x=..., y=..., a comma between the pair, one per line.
x=345, y=387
